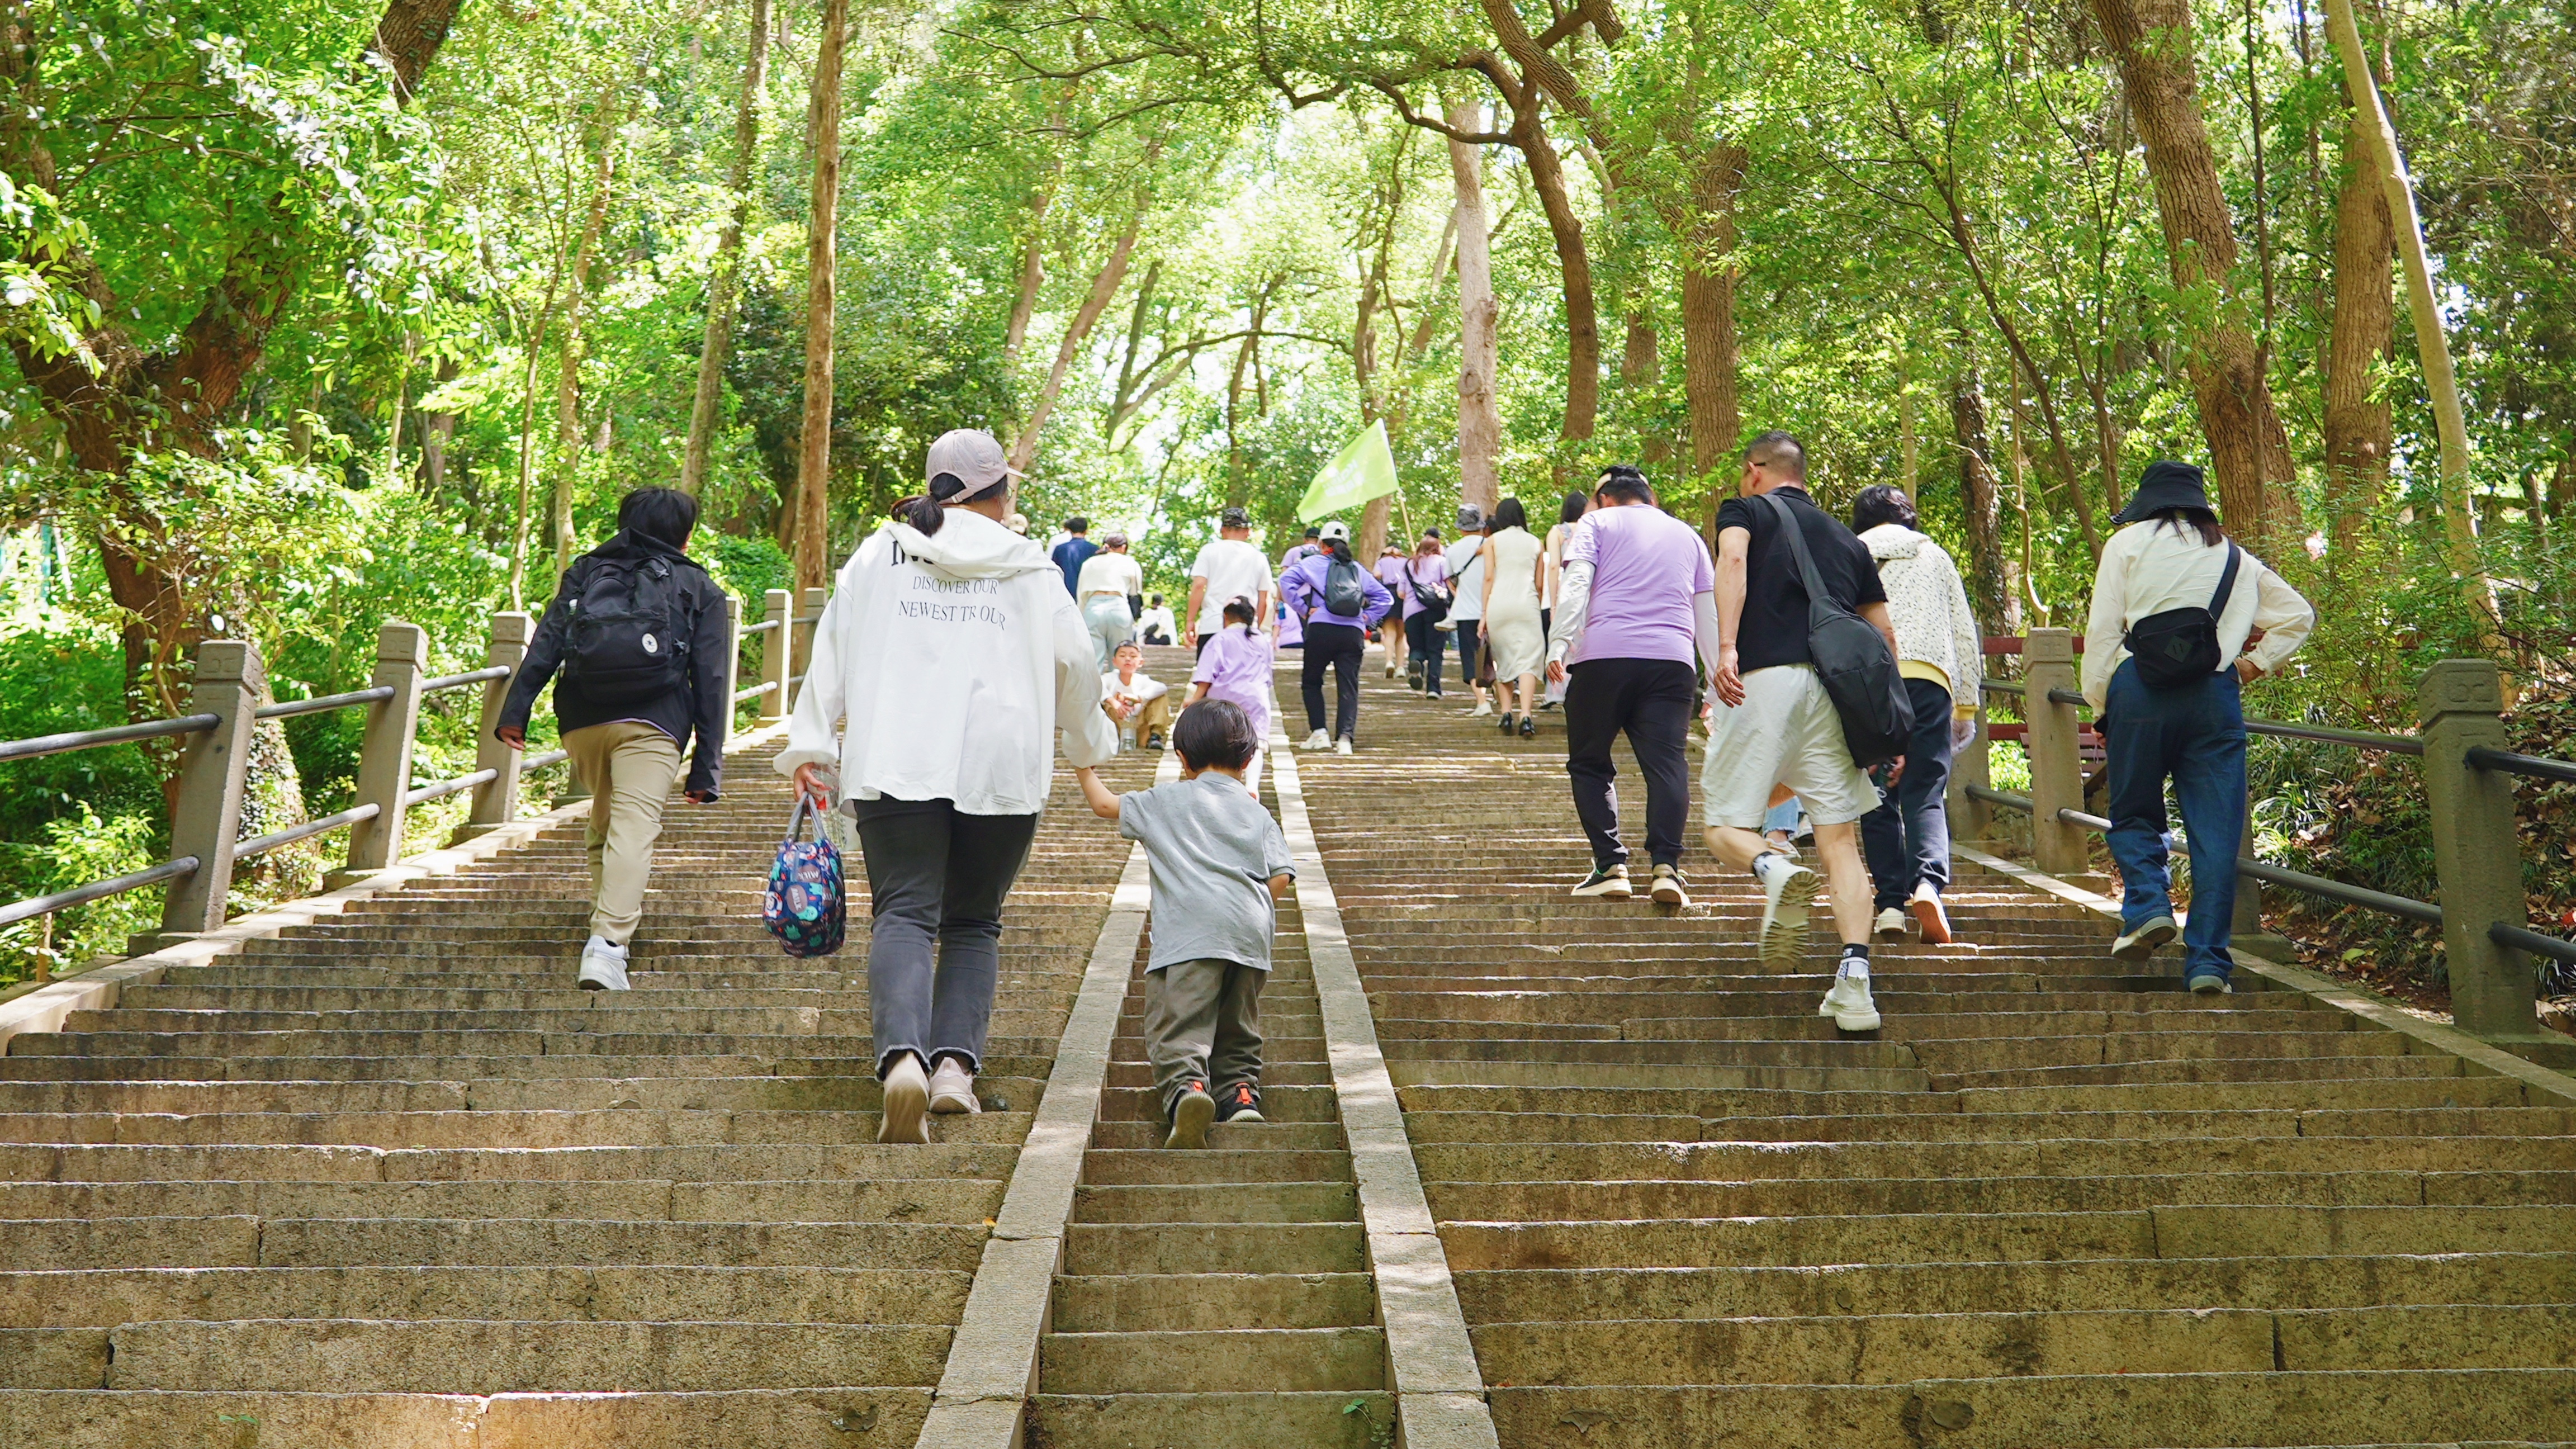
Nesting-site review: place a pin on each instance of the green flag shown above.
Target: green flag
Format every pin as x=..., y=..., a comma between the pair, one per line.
x=1362, y=470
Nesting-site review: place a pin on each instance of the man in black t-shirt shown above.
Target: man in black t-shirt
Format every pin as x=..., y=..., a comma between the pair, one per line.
x=1779, y=727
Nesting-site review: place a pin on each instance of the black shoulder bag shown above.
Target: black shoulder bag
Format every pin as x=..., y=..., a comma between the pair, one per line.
x=1852, y=657
x=2177, y=648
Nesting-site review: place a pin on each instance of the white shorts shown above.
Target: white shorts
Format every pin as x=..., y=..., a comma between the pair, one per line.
x=1785, y=733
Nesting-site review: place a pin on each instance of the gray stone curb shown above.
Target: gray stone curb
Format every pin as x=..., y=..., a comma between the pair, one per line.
x=992, y=1364
x=1440, y=1393
x=2429, y=1038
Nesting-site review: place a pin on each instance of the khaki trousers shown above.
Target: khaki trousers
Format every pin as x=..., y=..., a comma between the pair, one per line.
x=629, y=766
x=1153, y=717
x=1203, y=1024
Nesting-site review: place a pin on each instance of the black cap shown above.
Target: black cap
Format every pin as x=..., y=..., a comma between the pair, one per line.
x=1237, y=517
x=2166, y=484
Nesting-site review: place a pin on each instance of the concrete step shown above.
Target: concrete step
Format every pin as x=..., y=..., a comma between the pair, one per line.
x=1243, y=1360
x=1174, y=1303
x=1261, y=1202
x=803, y=1418
x=108, y=1297
x=941, y=1200
x=247, y=1242
x=1339, y=1419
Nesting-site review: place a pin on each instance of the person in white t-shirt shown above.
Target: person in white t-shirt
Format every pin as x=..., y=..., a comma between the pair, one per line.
x=1227, y=568
x=1156, y=625
x=1467, y=601
x=1101, y=591
x=1141, y=706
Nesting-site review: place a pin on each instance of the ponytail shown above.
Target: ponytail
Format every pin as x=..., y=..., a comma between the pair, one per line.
x=922, y=514
x=1239, y=608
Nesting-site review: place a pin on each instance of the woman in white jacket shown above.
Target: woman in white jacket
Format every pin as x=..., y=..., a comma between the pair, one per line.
x=1941, y=654
x=956, y=654
x=2167, y=578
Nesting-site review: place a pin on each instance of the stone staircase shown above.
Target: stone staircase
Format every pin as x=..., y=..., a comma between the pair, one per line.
x=392, y=1181
x=2051, y=1202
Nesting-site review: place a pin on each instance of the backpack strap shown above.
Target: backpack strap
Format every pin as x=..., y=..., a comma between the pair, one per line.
x=1817, y=593
x=2226, y=581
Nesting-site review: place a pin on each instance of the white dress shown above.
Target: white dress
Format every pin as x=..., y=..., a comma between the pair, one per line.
x=1511, y=622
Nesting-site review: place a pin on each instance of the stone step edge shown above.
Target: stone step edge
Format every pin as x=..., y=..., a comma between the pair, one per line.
x=2438, y=1038
x=1439, y=1390
x=992, y=1367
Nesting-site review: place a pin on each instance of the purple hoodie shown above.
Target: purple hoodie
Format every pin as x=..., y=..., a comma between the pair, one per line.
x=1303, y=588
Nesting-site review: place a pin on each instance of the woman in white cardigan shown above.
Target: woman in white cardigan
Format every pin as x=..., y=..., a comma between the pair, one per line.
x=954, y=651
x=1941, y=655
x=2167, y=577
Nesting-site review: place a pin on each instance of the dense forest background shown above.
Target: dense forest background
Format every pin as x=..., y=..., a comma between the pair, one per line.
x=326, y=312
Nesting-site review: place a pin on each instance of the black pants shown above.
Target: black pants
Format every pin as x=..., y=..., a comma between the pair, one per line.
x=936, y=874
x=1908, y=836
x=1428, y=643
x=1339, y=646
x=1650, y=701
x=1471, y=645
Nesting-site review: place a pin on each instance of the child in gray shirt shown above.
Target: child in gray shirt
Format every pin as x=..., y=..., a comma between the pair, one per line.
x=1220, y=865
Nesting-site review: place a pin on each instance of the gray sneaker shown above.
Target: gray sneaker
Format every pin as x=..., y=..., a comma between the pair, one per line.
x=2141, y=943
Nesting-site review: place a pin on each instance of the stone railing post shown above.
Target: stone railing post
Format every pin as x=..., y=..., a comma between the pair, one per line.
x=2056, y=766
x=2460, y=706
x=496, y=801
x=808, y=607
x=732, y=661
x=779, y=609
x=214, y=770
x=2245, y=931
x=384, y=757
x=1972, y=818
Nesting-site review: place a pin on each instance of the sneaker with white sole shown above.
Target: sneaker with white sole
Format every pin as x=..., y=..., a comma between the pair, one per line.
x=603, y=965
x=1890, y=925
x=1788, y=888
x=1342, y=746
x=2141, y=943
x=1609, y=883
x=1192, y=1111
x=1317, y=741
x=1848, y=1002
x=1239, y=1103
x=2210, y=983
x=907, y=1103
x=1930, y=915
x=1668, y=888
x=1484, y=710
x=952, y=1088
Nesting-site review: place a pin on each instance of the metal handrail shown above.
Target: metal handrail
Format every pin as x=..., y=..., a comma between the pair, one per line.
x=2005, y=798
x=28, y=910
x=289, y=708
x=2358, y=739
x=445, y=788
x=262, y=845
x=2335, y=890
x=792, y=683
x=2073, y=816
x=28, y=749
x=2068, y=696
x=763, y=627
x=811, y=619
x=755, y=692
x=2532, y=941
x=2535, y=766
x=539, y=762
x=1997, y=686
x=471, y=676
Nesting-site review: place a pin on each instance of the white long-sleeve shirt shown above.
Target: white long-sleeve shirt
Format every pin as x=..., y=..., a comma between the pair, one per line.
x=2150, y=567
x=955, y=657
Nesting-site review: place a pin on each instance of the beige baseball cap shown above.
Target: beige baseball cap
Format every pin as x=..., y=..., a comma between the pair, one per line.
x=973, y=458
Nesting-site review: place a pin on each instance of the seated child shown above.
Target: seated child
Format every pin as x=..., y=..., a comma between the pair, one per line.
x=1220, y=865
x=1141, y=706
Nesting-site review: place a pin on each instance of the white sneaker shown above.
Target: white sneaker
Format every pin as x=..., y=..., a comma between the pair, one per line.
x=1483, y=707
x=603, y=965
x=1788, y=888
x=1342, y=746
x=1317, y=741
x=1890, y=925
x=907, y=1100
x=1390, y=669
x=1848, y=1001
x=2141, y=943
x=1609, y=883
x=952, y=1088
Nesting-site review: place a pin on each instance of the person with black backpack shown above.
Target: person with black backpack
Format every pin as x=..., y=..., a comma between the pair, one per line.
x=2182, y=620
x=636, y=643
x=1803, y=634
x=1338, y=603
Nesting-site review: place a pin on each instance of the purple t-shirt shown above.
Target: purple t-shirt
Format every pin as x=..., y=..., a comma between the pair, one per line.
x=1431, y=569
x=1646, y=567
x=1236, y=669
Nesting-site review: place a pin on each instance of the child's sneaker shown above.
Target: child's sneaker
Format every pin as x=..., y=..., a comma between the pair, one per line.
x=1191, y=1112
x=1239, y=1103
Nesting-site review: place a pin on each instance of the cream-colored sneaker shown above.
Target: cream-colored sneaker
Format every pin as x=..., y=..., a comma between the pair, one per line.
x=952, y=1088
x=907, y=1101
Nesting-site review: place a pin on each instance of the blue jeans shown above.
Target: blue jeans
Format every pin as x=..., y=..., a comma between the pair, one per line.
x=1907, y=838
x=1783, y=817
x=2196, y=737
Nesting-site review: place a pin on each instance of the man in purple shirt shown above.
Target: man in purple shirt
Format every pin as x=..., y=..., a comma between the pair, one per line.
x=1636, y=613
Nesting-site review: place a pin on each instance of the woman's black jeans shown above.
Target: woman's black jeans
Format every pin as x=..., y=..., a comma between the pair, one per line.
x=1429, y=644
x=1339, y=647
x=936, y=874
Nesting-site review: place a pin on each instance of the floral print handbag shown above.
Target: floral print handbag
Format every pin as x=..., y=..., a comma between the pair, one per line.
x=806, y=907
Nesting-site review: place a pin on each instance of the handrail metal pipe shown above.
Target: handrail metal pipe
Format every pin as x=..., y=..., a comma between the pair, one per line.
x=792, y=683
x=2326, y=735
x=2336, y=891
x=151, y=729
x=2068, y=696
x=471, y=676
x=756, y=691
x=2005, y=798
x=1997, y=686
x=28, y=910
x=539, y=762
x=809, y=619
x=445, y=788
x=2536, y=766
x=289, y=708
x=2073, y=816
x=293, y=833
x=763, y=627
x=2504, y=934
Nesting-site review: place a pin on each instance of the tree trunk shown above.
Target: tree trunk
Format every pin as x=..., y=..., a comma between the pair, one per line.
x=2151, y=40
x=813, y=511
x=724, y=286
x=1709, y=359
x=2358, y=432
x=436, y=431
x=1104, y=290
x=1480, y=419
x=567, y=470
x=2432, y=344
x=1574, y=267
x=1033, y=253
x=1372, y=535
x=1981, y=506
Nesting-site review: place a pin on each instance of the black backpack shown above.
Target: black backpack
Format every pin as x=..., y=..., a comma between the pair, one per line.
x=1853, y=659
x=1343, y=594
x=1433, y=595
x=2177, y=648
x=627, y=637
